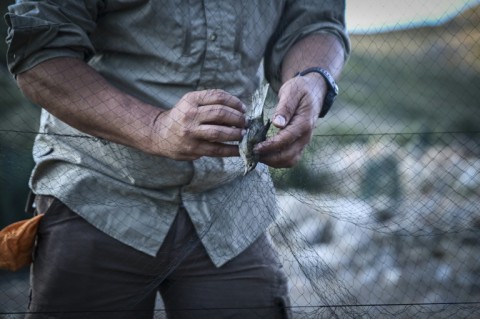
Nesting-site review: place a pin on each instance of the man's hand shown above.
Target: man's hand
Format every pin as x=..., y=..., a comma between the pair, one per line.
x=300, y=102
x=301, y=98
x=200, y=124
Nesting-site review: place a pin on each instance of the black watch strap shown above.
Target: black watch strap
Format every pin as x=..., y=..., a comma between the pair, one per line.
x=332, y=87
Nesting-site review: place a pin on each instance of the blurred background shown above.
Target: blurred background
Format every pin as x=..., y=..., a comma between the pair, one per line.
x=381, y=218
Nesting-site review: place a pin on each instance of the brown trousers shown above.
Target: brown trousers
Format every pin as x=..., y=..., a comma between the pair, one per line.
x=80, y=272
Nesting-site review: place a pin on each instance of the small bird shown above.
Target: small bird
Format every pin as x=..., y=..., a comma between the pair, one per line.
x=256, y=129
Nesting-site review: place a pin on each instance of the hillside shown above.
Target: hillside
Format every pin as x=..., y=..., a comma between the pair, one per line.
x=420, y=79
x=456, y=42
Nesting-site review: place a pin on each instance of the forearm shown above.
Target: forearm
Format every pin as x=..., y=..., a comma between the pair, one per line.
x=202, y=123
x=318, y=50
x=76, y=94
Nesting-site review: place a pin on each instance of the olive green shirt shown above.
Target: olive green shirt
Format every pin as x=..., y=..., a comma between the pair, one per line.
x=157, y=51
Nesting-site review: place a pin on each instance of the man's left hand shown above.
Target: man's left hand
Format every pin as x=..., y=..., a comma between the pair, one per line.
x=300, y=101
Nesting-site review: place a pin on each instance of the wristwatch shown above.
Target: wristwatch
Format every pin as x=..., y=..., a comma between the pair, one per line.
x=332, y=87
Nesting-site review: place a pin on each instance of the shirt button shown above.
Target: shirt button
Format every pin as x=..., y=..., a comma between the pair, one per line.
x=213, y=37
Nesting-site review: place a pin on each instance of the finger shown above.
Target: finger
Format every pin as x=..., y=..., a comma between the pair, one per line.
x=289, y=98
x=299, y=131
x=278, y=142
x=216, y=96
x=221, y=115
x=217, y=133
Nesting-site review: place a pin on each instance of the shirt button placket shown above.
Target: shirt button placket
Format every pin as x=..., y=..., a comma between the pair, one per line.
x=212, y=38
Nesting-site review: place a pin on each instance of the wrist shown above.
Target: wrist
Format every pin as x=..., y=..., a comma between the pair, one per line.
x=317, y=87
x=329, y=85
x=318, y=81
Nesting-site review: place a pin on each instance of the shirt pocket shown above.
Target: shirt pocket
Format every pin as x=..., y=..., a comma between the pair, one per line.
x=254, y=28
x=149, y=26
x=176, y=22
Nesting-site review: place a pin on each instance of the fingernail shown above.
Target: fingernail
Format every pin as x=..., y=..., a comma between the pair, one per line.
x=244, y=107
x=279, y=120
x=244, y=132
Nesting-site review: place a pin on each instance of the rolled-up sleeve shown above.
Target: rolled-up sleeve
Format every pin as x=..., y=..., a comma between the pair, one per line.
x=302, y=18
x=42, y=30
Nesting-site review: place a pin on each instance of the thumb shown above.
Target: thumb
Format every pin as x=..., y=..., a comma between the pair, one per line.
x=287, y=104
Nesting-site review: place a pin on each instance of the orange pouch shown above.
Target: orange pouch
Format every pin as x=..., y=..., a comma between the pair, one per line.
x=17, y=242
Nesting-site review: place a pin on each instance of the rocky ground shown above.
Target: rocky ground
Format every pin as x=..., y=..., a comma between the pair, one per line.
x=405, y=251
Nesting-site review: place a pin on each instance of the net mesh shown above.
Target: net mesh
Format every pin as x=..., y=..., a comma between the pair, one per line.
x=380, y=218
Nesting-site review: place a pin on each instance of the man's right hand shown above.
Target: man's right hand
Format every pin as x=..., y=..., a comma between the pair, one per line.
x=201, y=124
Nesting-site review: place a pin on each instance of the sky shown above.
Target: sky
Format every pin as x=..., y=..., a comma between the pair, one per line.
x=387, y=15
